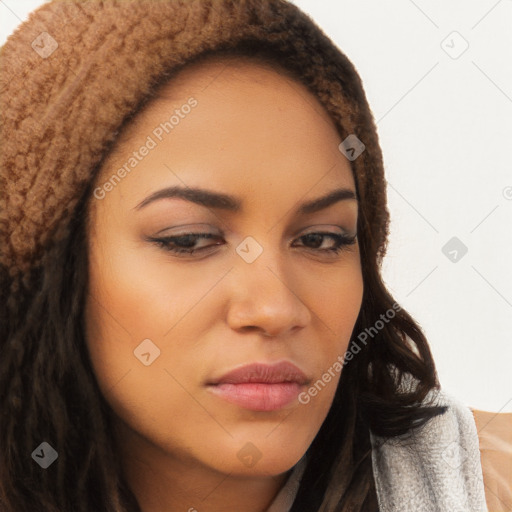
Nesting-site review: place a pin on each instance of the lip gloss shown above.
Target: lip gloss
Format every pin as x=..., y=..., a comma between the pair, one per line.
x=258, y=396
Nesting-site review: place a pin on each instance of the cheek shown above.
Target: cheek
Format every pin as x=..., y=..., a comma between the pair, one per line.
x=121, y=314
x=143, y=290
x=132, y=301
x=336, y=300
x=340, y=305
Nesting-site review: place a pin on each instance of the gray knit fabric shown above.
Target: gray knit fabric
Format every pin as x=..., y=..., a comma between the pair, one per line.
x=433, y=469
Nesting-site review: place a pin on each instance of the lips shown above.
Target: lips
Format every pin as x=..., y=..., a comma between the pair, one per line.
x=264, y=373
x=260, y=387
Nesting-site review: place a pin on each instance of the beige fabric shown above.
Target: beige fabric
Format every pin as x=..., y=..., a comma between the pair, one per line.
x=495, y=440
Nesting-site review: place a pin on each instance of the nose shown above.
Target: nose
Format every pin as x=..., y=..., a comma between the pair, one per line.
x=265, y=298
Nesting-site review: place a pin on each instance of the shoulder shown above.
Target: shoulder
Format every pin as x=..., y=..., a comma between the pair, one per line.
x=495, y=441
x=436, y=465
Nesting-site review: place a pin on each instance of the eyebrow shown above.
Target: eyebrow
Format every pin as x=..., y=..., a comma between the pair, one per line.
x=218, y=200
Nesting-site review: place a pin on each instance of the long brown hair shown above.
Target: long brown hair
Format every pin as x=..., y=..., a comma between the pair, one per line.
x=48, y=390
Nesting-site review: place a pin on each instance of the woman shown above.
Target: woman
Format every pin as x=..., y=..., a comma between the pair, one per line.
x=194, y=316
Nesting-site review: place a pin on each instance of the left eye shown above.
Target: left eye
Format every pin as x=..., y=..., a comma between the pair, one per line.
x=340, y=241
x=186, y=243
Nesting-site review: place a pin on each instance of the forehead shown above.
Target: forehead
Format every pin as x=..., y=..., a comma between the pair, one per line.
x=233, y=82
x=252, y=128
x=230, y=79
x=226, y=68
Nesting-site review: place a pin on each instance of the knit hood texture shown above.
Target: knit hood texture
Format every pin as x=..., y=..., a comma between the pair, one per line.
x=76, y=72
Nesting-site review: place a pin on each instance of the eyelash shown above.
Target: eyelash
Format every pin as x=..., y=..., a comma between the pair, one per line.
x=342, y=241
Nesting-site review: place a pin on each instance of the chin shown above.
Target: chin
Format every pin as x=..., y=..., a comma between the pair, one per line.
x=263, y=460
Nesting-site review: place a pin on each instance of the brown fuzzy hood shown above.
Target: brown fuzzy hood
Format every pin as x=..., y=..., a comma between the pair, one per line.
x=73, y=73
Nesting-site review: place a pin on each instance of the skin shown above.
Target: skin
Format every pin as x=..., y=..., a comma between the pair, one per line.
x=260, y=136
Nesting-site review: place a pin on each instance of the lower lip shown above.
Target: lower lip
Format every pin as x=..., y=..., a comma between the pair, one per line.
x=258, y=396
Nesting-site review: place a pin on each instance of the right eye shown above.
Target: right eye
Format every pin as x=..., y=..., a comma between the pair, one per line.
x=185, y=243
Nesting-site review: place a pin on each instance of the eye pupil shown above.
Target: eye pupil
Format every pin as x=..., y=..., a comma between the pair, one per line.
x=186, y=240
x=316, y=238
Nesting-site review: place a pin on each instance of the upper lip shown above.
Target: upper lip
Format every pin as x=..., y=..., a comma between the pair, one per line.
x=284, y=371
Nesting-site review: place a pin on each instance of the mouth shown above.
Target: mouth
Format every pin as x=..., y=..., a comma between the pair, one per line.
x=260, y=387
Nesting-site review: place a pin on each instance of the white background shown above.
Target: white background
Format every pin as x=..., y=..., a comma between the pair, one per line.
x=445, y=127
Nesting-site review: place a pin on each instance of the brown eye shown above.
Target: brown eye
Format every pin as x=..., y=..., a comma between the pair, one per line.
x=316, y=240
x=185, y=243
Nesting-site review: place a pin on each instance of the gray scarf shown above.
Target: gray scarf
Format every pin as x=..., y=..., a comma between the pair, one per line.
x=435, y=468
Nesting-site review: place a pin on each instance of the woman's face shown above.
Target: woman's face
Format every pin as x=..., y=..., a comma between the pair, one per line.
x=260, y=286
